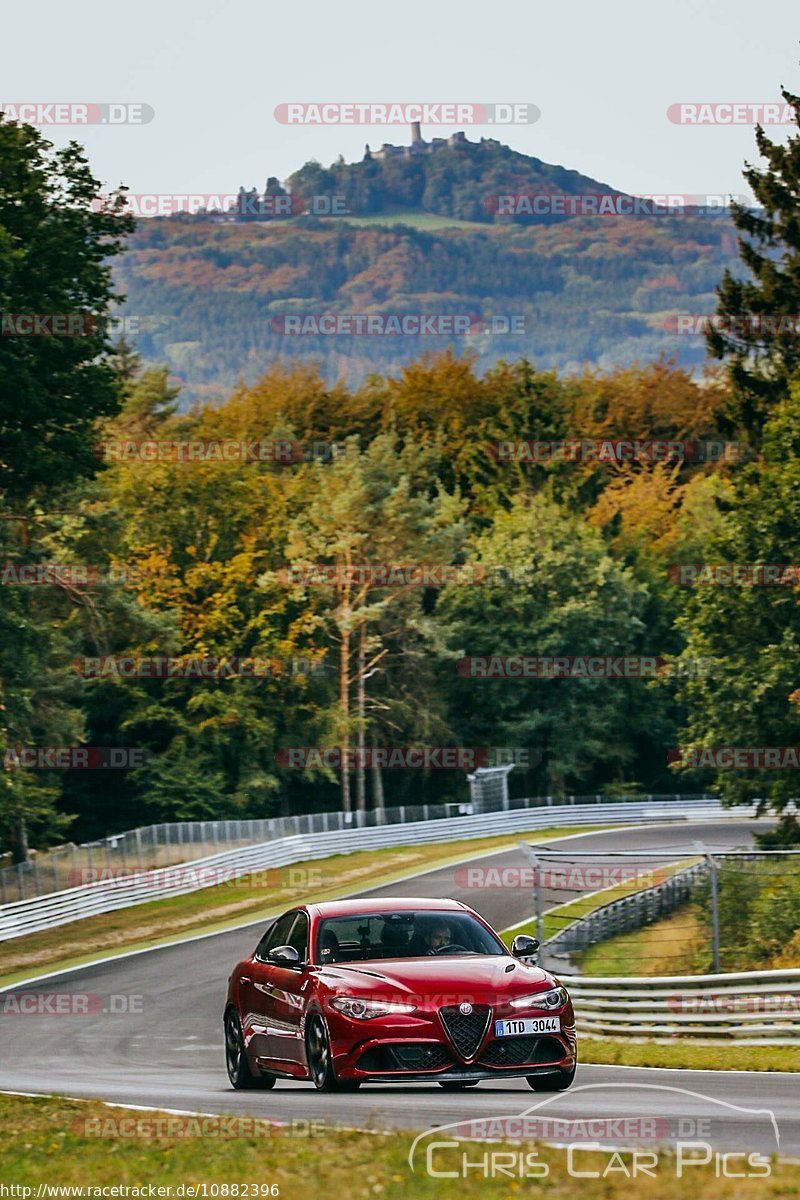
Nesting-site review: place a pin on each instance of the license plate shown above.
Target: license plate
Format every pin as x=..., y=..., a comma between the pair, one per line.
x=529, y=1025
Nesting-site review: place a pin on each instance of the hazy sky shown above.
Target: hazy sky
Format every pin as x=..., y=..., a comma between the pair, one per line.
x=603, y=75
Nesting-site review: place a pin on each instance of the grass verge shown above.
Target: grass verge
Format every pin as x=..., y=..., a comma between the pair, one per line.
x=675, y=945
x=229, y=905
x=671, y=946
x=46, y=1142
x=689, y=1055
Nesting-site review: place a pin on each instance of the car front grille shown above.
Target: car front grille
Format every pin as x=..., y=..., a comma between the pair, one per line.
x=465, y=1030
x=514, y=1051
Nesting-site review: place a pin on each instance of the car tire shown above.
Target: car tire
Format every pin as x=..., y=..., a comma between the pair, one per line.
x=456, y=1085
x=238, y=1067
x=320, y=1059
x=551, y=1083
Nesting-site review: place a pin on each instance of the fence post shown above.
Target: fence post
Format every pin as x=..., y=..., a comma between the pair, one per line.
x=712, y=871
x=714, y=913
x=537, y=887
x=537, y=898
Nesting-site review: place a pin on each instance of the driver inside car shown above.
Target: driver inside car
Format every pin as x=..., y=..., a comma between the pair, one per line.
x=429, y=940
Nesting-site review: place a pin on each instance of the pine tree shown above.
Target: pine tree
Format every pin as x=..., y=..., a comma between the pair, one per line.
x=760, y=314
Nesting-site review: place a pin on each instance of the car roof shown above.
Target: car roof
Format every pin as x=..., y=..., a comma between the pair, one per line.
x=342, y=908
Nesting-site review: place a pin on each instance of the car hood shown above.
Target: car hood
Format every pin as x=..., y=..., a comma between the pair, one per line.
x=487, y=979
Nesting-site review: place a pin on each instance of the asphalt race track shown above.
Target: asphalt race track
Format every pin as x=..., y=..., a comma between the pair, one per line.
x=168, y=1051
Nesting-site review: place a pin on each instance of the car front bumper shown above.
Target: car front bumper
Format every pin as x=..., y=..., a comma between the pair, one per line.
x=460, y=1074
x=400, y=1053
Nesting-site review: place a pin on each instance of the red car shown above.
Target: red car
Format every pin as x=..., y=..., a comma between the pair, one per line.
x=361, y=991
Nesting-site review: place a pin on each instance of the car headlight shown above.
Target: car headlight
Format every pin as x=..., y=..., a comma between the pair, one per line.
x=363, y=1010
x=556, y=998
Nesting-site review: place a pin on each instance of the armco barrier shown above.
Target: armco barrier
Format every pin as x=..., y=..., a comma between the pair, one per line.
x=149, y=847
x=756, y=1007
x=108, y=895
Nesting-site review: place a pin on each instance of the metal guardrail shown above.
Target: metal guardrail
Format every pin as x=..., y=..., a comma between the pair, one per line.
x=164, y=845
x=108, y=895
x=626, y=913
x=756, y=1007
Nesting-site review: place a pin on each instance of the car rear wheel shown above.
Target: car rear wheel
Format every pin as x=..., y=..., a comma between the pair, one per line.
x=320, y=1060
x=455, y=1085
x=551, y=1083
x=239, y=1071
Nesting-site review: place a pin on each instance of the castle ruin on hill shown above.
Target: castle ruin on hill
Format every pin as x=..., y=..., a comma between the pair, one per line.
x=418, y=145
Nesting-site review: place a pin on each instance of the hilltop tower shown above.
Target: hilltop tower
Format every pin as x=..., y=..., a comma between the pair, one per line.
x=418, y=145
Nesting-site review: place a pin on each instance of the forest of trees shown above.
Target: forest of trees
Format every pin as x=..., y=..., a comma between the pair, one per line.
x=197, y=556
x=190, y=558
x=594, y=291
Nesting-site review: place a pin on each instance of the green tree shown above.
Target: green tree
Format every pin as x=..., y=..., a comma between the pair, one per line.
x=562, y=595
x=54, y=259
x=751, y=634
x=375, y=507
x=38, y=698
x=763, y=350
x=54, y=264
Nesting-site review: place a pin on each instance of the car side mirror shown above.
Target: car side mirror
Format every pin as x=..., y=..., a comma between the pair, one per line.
x=284, y=956
x=525, y=947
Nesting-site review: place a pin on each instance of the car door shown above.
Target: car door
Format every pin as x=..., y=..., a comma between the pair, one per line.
x=287, y=1001
x=255, y=988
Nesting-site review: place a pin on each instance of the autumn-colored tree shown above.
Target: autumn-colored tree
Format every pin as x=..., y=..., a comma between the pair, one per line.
x=370, y=510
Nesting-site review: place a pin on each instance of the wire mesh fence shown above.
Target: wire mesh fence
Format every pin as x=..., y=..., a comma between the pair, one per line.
x=647, y=913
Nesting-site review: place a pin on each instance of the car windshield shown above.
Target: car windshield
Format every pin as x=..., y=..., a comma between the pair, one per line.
x=362, y=936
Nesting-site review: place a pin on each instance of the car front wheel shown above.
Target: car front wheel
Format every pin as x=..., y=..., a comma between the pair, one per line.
x=320, y=1060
